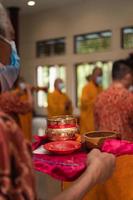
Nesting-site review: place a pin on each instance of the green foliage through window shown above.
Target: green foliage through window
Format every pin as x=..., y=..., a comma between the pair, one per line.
x=50, y=47
x=93, y=42
x=127, y=37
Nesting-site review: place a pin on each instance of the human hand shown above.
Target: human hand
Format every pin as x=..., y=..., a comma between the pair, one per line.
x=28, y=87
x=100, y=165
x=22, y=86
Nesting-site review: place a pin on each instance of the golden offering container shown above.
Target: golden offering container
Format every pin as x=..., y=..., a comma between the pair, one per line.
x=60, y=128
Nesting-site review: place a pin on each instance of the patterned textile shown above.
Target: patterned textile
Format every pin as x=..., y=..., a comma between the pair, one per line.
x=16, y=176
x=12, y=104
x=114, y=111
x=69, y=167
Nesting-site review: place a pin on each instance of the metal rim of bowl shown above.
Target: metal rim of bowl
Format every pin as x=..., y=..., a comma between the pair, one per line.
x=61, y=117
x=103, y=137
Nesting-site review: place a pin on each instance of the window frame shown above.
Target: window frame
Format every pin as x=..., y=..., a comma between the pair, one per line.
x=89, y=33
x=44, y=42
x=122, y=37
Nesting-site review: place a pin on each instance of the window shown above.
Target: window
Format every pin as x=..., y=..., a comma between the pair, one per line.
x=82, y=70
x=46, y=76
x=127, y=37
x=50, y=47
x=93, y=42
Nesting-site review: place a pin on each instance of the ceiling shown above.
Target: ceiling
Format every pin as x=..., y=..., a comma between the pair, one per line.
x=40, y=4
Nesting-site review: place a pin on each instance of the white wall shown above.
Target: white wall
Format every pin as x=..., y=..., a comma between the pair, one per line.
x=83, y=17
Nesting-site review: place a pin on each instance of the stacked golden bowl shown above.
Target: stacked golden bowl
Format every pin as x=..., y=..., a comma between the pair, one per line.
x=60, y=128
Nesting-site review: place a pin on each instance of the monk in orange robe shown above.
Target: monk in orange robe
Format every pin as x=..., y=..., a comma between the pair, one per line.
x=89, y=95
x=114, y=112
x=58, y=102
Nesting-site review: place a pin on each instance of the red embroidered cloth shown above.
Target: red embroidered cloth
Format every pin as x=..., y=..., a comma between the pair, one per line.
x=64, y=168
x=71, y=166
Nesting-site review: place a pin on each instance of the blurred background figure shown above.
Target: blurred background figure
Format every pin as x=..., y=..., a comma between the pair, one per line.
x=16, y=178
x=25, y=92
x=25, y=119
x=18, y=103
x=58, y=101
x=114, y=107
x=6, y=28
x=89, y=94
x=114, y=112
x=130, y=60
x=10, y=101
x=15, y=156
x=88, y=78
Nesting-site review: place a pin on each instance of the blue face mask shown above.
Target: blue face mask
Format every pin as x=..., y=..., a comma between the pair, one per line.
x=61, y=86
x=9, y=73
x=15, y=60
x=99, y=80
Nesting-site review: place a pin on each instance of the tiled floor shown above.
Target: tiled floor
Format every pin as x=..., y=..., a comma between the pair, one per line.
x=47, y=187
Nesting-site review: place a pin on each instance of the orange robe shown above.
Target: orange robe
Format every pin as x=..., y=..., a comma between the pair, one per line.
x=118, y=187
x=89, y=95
x=57, y=104
x=26, y=121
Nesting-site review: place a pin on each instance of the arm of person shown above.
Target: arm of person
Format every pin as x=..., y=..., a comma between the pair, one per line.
x=11, y=102
x=100, y=168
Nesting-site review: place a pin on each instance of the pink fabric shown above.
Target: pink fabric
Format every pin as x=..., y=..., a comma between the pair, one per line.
x=39, y=140
x=69, y=167
x=117, y=147
x=64, y=168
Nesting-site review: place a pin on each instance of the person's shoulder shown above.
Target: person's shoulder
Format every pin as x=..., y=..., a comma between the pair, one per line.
x=51, y=93
x=88, y=86
x=103, y=93
x=102, y=96
x=65, y=95
x=5, y=95
x=123, y=93
x=127, y=94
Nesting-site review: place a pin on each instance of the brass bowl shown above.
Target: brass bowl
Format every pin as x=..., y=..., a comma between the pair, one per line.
x=96, y=138
x=60, y=128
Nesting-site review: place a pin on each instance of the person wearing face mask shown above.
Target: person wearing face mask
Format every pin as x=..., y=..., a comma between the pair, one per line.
x=89, y=94
x=114, y=107
x=114, y=112
x=10, y=101
x=16, y=178
x=58, y=101
x=6, y=69
x=16, y=170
